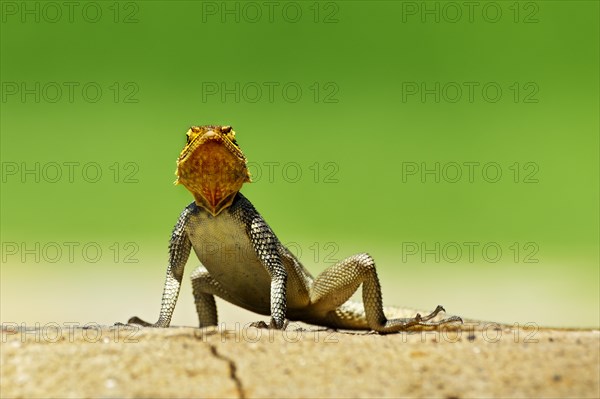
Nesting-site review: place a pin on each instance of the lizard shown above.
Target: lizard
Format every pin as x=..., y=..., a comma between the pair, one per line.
x=244, y=263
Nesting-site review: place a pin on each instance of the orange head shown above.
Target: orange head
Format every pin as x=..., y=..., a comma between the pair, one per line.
x=212, y=167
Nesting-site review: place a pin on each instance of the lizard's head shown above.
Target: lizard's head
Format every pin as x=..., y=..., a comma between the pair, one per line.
x=212, y=167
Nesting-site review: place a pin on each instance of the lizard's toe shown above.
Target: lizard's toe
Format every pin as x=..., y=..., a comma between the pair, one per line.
x=259, y=324
x=138, y=321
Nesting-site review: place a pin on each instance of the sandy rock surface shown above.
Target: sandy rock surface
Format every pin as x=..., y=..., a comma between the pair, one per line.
x=475, y=360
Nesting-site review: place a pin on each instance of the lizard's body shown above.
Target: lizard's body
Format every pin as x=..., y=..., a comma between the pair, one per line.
x=243, y=261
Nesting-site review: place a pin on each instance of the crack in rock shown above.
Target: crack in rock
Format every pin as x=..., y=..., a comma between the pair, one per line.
x=232, y=371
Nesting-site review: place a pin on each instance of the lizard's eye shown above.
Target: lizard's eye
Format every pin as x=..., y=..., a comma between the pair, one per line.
x=187, y=135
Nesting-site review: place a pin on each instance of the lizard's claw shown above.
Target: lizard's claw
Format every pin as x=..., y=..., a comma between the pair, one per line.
x=453, y=319
x=140, y=322
x=136, y=321
x=259, y=324
x=423, y=320
x=271, y=325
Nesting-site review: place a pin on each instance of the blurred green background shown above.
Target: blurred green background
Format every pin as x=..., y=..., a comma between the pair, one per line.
x=341, y=108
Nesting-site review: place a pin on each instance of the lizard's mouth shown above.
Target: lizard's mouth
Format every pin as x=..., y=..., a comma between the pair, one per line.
x=213, y=169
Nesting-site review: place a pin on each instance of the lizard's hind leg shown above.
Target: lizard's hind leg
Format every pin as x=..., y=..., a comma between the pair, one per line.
x=335, y=286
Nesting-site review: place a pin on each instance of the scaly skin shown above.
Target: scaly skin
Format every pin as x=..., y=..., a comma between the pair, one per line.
x=244, y=263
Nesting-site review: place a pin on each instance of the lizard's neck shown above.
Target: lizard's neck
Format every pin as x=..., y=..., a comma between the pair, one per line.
x=213, y=203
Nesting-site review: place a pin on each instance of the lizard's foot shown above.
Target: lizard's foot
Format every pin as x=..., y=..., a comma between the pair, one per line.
x=453, y=319
x=422, y=321
x=140, y=322
x=417, y=322
x=431, y=315
x=259, y=324
x=443, y=322
x=262, y=324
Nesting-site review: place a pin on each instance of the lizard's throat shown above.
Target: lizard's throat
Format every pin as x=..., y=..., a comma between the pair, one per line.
x=216, y=202
x=213, y=175
x=214, y=192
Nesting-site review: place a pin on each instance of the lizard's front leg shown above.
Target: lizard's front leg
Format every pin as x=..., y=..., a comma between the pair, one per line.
x=179, y=251
x=265, y=245
x=336, y=285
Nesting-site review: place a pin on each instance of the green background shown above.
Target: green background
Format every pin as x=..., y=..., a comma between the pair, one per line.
x=354, y=123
